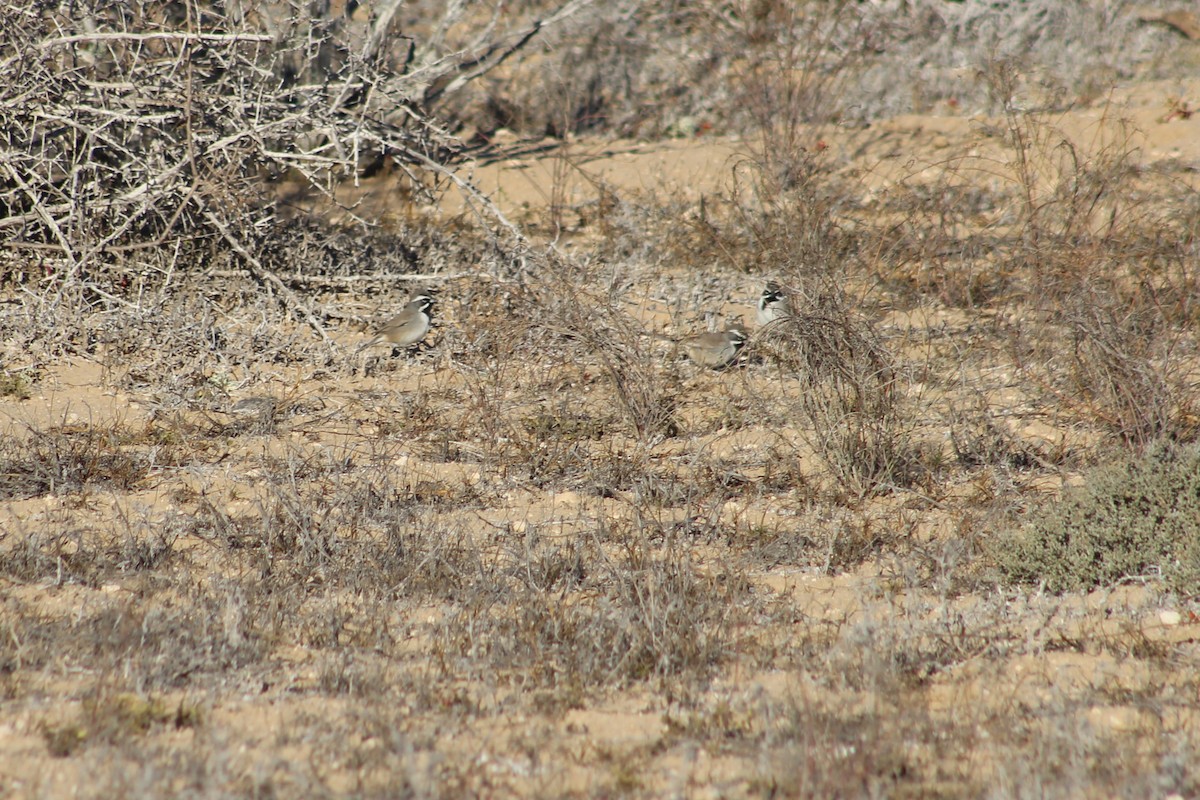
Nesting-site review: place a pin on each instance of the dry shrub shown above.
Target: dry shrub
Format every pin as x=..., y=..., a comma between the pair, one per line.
x=578, y=617
x=849, y=402
x=790, y=229
x=944, y=246
x=1110, y=341
x=185, y=638
x=1069, y=191
x=604, y=334
x=829, y=538
x=1050, y=210
x=1049, y=215
x=980, y=439
x=827, y=341
x=664, y=68
x=68, y=550
x=814, y=753
x=1124, y=370
x=74, y=458
x=1098, y=284
x=792, y=72
x=140, y=140
x=551, y=371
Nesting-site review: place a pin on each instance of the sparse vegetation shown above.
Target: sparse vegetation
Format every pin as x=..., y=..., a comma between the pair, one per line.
x=932, y=534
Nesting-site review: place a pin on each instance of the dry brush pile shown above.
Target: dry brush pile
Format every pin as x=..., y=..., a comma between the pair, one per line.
x=141, y=141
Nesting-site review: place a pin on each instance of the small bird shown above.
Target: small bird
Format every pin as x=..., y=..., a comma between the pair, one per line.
x=716, y=350
x=773, y=304
x=406, y=328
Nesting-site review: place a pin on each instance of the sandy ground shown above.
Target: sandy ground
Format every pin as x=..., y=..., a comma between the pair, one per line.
x=1112, y=671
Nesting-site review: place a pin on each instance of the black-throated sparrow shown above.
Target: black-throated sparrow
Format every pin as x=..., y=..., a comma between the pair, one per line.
x=715, y=350
x=773, y=304
x=406, y=328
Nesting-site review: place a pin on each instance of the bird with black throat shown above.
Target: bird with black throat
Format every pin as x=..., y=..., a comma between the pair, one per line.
x=406, y=329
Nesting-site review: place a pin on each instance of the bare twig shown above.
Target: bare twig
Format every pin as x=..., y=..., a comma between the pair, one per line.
x=354, y=280
x=43, y=214
x=496, y=54
x=161, y=35
x=383, y=20
x=265, y=276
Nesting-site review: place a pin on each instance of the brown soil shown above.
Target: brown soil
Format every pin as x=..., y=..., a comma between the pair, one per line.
x=900, y=673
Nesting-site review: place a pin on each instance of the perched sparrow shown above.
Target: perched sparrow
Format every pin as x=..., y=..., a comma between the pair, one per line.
x=715, y=350
x=773, y=304
x=406, y=328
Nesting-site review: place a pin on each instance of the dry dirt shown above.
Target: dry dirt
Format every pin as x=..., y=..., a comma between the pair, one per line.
x=247, y=665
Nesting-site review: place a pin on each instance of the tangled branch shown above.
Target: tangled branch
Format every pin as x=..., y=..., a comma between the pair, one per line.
x=156, y=127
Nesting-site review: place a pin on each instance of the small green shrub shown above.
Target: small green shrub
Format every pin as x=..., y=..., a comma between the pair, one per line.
x=13, y=386
x=1136, y=518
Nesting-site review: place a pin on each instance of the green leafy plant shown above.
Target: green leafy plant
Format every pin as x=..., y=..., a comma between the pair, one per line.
x=1132, y=519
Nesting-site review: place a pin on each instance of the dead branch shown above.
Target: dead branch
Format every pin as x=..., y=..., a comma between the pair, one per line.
x=343, y=281
x=122, y=130
x=128, y=36
x=469, y=68
x=265, y=276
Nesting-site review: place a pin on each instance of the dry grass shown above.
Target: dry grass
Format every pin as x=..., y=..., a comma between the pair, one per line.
x=546, y=556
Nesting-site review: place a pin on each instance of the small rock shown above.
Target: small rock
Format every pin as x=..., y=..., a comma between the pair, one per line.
x=262, y=406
